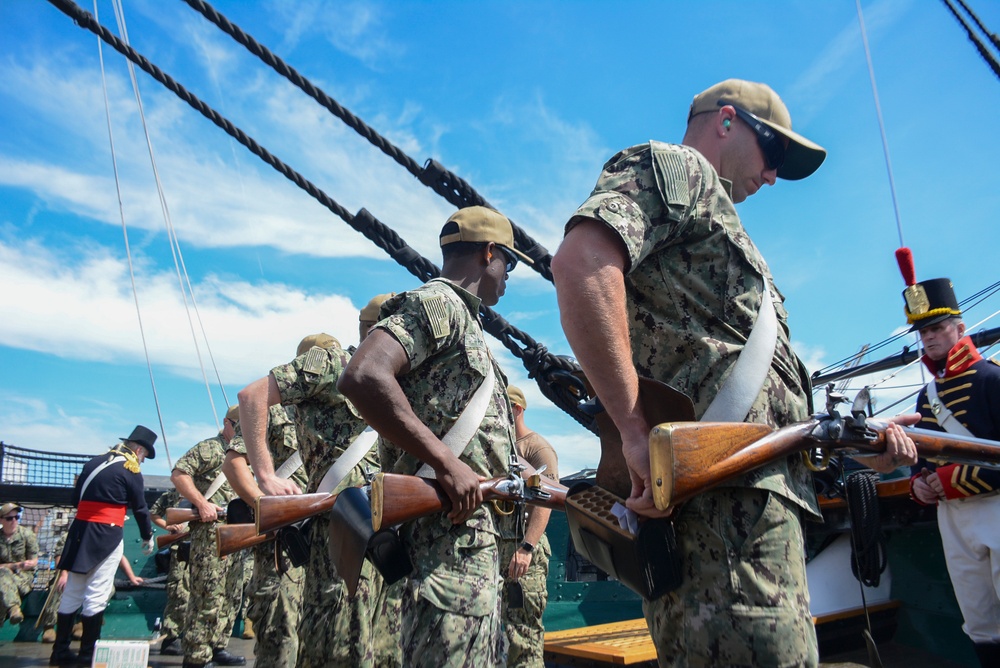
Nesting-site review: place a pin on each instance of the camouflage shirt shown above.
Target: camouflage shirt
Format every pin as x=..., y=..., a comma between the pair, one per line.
x=438, y=326
x=203, y=463
x=326, y=422
x=168, y=499
x=20, y=546
x=694, y=285
x=282, y=441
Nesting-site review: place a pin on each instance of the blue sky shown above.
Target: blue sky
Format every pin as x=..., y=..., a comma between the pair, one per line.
x=525, y=100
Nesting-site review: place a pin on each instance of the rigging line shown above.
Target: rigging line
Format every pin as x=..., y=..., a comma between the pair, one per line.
x=128, y=249
x=446, y=184
x=881, y=122
x=983, y=51
x=555, y=374
x=175, y=249
x=992, y=36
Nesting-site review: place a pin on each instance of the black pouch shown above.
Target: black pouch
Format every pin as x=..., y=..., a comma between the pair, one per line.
x=295, y=541
x=648, y=562
x=183, y=550
x=514, y=594
x=388, y=554
x=239, y=512
x=162, y=560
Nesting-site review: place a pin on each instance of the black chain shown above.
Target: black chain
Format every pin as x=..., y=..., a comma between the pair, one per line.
x=545, y=367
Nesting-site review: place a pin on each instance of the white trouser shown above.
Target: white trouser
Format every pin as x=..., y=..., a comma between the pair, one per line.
x=972, y=551
x=92, y=589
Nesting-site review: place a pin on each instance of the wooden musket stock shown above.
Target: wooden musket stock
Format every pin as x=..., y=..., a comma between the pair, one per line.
x=235, y=537
x=688, y=458
x=399, y=498
x=275, y=512
x=168, y=539
x=179, y=515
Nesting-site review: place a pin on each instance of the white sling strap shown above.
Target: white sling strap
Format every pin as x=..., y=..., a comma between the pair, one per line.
x=944, y=416
x=93, y=474
x=289, y=466
x=354, y=453
x=468, y=422
x=737, y=394
x=219, y=481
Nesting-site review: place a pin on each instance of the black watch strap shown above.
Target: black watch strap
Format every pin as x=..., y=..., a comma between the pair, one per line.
x=527, y=547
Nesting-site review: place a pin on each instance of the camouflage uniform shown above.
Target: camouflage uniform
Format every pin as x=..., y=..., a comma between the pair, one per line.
x=215, y=583
x=276, y=598
x=451, y=607
x=694, y=285
x=177, y=574
x=337, y=630
x=523, y=626
x=19, y=546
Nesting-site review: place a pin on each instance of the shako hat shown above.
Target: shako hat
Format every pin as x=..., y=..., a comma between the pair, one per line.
x=481, y=224
x=144, y=437
x=802, y=157
x=927, y=302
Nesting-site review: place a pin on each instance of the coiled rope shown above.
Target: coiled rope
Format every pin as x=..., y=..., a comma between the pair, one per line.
x=868, y=550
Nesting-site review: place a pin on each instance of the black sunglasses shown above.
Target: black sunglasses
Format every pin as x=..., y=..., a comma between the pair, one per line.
x=511, y=258
x=768, y=140
x=13, y=517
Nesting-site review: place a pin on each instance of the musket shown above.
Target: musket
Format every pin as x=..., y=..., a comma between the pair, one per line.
x=687, y=459
x=180, y=515
x=397, y=498
x=168, y=539
x=231, y=538
x=274, y=512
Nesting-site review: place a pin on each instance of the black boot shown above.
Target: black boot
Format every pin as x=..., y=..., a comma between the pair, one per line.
x=989, y=654
x=91, y=634
x=61, y=654
x=222, y=657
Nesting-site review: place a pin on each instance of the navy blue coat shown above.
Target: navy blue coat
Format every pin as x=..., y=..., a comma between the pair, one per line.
x=90, y=543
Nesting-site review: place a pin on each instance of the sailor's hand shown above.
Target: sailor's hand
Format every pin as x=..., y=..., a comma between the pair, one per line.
x=61, y=582
x=927, y=487
x=275, y=486
x=149, y=547
x=640, y=501
x=461, y=484
x=174, y=528
x=519, y=564
x=208, y=512
x=899, y=448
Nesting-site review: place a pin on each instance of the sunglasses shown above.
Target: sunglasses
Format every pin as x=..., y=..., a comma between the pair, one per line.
x=511, y=258
x=768, y=140
x=12, y=517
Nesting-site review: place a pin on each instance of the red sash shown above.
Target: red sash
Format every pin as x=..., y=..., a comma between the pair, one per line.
x=103, y=513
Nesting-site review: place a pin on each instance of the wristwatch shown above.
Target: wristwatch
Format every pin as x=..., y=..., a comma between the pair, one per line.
x=527, y=547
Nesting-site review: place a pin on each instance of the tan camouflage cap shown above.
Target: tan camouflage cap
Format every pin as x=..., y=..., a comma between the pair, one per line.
x=370, y=312
x=8, y=508
x=802, y=157
x=321, y=340
x=516, y=396
x=233, y=413
x=481, y=224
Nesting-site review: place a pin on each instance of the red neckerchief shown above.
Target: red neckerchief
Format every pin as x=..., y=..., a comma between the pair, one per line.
x=962, y=356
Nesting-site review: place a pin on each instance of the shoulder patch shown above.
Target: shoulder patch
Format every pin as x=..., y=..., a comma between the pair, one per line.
x=672, y=174
x=437, y=316
x=315, y=360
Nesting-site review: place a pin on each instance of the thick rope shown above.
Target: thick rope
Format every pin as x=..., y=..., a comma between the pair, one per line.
x=450, y=186
x=540, y=364
x=868, y=552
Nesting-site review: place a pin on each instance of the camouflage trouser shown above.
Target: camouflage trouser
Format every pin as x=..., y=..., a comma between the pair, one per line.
x=335, y=629
x=389, y=627
x=12, y=588
x=215, y=593
x=523, y=626
x=467, y=633
x=47, y=617
x=178, y=593
x=275, y=606
x=744, y=600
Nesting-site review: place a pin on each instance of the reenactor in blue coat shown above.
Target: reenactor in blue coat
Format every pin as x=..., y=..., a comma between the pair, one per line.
x=108, y=485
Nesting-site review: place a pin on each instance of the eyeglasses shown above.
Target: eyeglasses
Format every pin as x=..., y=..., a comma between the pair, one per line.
x=511, y=258
x=12, y=517
x=768, y=140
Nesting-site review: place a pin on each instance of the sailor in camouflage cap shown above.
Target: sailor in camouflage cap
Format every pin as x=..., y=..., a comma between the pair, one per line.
x=657, y=276
x=411, y=379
